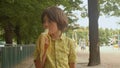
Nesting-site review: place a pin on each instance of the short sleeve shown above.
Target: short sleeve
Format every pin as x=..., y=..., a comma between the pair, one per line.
x=72, y=53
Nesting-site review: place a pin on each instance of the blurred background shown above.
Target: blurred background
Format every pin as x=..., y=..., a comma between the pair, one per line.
x=20, y=25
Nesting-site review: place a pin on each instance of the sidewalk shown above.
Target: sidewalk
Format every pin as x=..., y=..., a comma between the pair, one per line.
x=109, y=59
x=27, y=63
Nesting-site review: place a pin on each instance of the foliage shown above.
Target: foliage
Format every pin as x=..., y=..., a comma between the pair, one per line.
x=81, y=32
x=25, y=15
x=110, y=7
x=106, y=34
x=107, y=7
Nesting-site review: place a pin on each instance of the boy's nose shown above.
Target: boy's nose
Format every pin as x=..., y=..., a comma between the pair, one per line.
x=45, y=25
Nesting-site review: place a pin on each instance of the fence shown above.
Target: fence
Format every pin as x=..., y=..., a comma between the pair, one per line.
x=11, y=56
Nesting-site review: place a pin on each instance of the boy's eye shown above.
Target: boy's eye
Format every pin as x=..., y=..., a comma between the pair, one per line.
x=49, y=21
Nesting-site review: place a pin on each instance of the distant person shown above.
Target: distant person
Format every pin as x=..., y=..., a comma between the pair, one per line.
x=83, y=45
x=53, y=49
x=79, y=42
x=119, y=43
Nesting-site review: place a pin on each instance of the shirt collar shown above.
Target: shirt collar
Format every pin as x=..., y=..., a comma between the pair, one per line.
x=62, y=36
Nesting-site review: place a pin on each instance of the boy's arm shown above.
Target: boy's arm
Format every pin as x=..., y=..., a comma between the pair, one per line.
x=72, y=65
x=72, y=54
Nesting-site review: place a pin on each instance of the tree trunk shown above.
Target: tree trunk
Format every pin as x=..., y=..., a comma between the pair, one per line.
x=17, y=32
x=93, y=13
x=8, y=34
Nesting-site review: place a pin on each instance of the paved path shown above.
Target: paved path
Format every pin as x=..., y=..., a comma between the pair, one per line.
x=109, y=59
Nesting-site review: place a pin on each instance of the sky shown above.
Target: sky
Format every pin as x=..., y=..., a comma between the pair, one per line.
x=109, y=22
x=103, y=22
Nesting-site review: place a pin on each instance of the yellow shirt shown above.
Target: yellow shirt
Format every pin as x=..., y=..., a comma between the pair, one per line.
x=60, y=53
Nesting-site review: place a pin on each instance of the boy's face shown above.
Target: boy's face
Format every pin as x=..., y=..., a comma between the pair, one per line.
x=50, y=25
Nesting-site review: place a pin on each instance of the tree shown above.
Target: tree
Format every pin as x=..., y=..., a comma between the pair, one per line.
x=93, y=13
x=24, y=18
x=8, y=29
x=20, y=19
x=110, y=7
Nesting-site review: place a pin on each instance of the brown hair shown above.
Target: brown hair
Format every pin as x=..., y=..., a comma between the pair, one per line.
x=57, y=15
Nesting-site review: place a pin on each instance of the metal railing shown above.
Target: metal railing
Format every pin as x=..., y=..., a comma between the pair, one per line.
x=12, y=55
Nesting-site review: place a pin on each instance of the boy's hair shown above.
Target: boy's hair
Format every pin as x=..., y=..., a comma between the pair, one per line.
x=57, y=15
